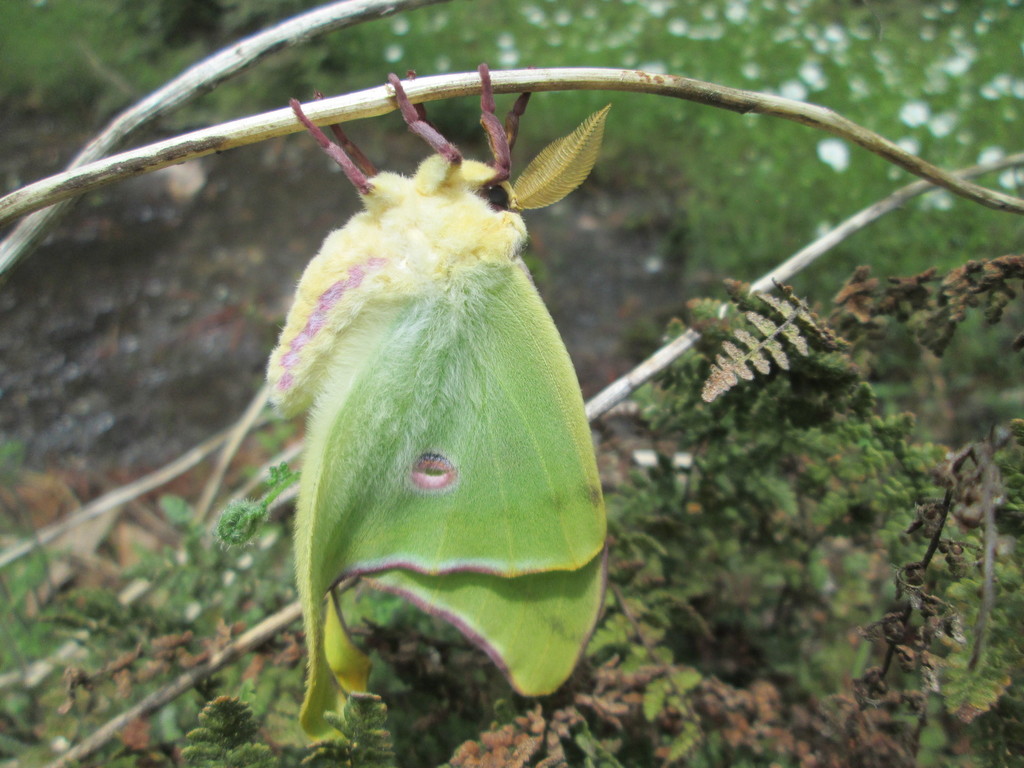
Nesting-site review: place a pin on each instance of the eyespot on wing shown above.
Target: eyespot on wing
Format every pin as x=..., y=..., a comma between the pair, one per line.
x=433, y=472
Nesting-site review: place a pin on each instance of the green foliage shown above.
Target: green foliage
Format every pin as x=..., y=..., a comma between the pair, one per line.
x=364, y=741
x=792, y=509
x=958, y=628
x=181, y=605
x=227, y=738
x=789, y=320
x=768, y=549
x=242, y=519
x=109, y=621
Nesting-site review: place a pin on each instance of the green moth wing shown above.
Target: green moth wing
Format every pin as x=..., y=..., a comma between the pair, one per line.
x=341, y=668
x=458, y=471
x=533, y=627
x=472, y=380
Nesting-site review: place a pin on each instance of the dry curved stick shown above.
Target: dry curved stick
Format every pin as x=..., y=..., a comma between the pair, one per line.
x=238, y=432
x=806, y=255
x=198, y=79
x=377, y=101
x=116, y=497
x=247, y=641
x=624, y=386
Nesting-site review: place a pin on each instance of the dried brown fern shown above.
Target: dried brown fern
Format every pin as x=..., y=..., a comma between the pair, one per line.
x=786, y=321
x=932, y=304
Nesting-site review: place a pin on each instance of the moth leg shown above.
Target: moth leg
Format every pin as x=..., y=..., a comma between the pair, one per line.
x=512, y=118
x=421, y=108
x=362, y=161
x=335, y=152
x=416, y=120
x=496, y=136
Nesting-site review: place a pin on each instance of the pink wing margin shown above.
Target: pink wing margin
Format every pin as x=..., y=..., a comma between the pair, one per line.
x=325, y=305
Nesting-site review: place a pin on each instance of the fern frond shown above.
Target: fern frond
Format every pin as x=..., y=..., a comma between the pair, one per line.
x=363, y=742
x=934, y=306
x=228, y=735
x=793, y=323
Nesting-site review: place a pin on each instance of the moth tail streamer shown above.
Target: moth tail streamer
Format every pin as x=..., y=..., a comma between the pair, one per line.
x=340, y=658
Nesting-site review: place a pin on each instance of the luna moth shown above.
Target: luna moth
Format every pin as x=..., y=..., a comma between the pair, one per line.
x=448, y=458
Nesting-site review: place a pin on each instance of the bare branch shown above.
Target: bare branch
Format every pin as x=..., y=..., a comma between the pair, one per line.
x=993, y=496
x=380, y=100
x=237, y=434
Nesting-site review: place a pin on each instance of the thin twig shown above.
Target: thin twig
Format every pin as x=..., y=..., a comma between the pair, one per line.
x=199, y=79
x=805, y=256
x=237, y=434
x=624, y=386
x=246, y=642
x=992, y=494
x=380, y=100
x=114, y=498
